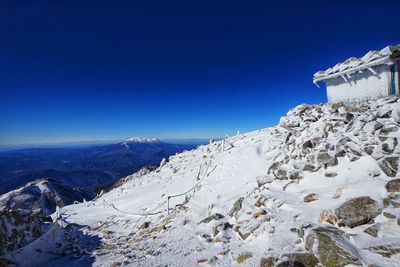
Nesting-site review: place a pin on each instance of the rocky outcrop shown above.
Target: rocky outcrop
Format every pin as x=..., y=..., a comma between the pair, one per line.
x=332, y=247
x=317, y=136
x=18, y=228
x=358, y=211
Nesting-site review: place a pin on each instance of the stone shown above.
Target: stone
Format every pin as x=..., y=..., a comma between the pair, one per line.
x=243, y=235
x=372, y=231
x=330, y=174
x=393, y=186
x=358, y=211
x=389, y=215
x=326, y=159
x=307, y=144
x=389, y=166
x=310, y=198
x=369, y=150
x=332, y=247
x=243, y=257
x=298, y=260
x=386, y=251
x=215, y=216
x=259, y=213
x=388, y=130
x=327, y=216
x=267, y=262
x=236, y=206
x=144, y=225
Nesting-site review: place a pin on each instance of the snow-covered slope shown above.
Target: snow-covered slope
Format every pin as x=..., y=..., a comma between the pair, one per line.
x=319, y=187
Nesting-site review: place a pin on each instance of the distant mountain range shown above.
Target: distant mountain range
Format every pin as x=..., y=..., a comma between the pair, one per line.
x=87, y=168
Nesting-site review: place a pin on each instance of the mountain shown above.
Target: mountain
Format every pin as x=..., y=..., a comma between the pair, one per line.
x=24, y=212
x=322, y=188
x=88, y=168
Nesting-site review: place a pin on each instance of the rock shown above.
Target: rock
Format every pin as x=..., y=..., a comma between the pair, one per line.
x=307, y=144
x=389, y=215
x=262, y=180
x=259, y=213
x=372, y=231
x=358, y=211
x=386, y=131
x=236, y=206
x=215, y=216
x=389, y=166
x=386, y=202
x=243, y=257
x=326, y=159
x=338, y=193
x=267, y=262
x=332, y=247
x=330, y=174
x=386, y=251
x=298, y=260
x=310, y=198
x=243, y=235
x=201, y=260
x=393, y=186
x=144, y=225
x=327, y=216
x=369, y=150
x=281, y=174
x=18, y=228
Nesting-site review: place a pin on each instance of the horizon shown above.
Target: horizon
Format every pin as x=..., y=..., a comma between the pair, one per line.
x=79, y=72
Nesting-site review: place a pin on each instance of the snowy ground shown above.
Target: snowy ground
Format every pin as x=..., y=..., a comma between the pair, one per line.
x=133, y=227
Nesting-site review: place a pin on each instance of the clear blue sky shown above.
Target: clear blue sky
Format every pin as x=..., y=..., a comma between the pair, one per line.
x=78, y=70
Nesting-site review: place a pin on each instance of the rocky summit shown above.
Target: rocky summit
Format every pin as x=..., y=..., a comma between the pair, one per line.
x=319, y=189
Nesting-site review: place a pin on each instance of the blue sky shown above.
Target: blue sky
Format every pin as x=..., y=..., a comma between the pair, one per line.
x=101, y=70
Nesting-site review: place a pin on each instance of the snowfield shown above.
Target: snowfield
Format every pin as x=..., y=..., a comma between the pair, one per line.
x=318, y=189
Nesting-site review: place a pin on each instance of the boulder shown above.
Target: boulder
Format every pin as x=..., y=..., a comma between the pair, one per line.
x=393, y=186
x=298, y=260
x=332, y=247
x=358, y=211
x=389, y=166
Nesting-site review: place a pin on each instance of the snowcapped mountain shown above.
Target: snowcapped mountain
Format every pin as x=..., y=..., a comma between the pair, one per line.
x=320, y=188
x=141, y=140
x=88, y=168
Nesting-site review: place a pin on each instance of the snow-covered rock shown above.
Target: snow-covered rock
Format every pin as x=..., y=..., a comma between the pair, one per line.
x=240, y=201
x=24, y=212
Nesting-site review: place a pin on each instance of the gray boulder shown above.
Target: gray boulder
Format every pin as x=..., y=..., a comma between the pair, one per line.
x=358, y=211
x=332, y=247
x=389, y=166
x=393, y=186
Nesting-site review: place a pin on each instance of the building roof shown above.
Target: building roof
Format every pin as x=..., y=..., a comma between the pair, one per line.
x=387, y=55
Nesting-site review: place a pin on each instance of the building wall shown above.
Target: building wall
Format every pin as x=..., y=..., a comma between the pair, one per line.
x=360, y=87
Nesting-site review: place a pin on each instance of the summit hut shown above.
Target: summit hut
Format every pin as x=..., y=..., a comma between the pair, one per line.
x=355, y=80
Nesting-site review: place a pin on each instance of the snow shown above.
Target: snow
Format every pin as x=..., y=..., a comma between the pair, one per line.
x=353, y=64
x=142, y=140
x=215, y=176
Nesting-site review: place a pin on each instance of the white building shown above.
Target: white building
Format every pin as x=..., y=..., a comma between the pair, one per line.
x=355, y=80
